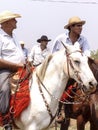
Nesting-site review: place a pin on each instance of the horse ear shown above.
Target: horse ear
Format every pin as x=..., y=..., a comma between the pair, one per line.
x=69, y=48
x=77, y=45
x=66, y=46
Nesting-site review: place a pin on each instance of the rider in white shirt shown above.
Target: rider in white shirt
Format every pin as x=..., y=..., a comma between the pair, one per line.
x=10, y=49
x=11, y=58
x=39, y=51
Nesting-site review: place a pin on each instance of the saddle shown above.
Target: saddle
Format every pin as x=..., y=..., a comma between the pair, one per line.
x=20, y=96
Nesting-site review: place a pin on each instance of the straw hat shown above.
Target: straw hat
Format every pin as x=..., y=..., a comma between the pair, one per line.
x=7, y=15
x=22, y=42
x=43, y=38
x=74, y=20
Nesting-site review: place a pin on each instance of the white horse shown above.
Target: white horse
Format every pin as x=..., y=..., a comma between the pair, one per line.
x=48, y=83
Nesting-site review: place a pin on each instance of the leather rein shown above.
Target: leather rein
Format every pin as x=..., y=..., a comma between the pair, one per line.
x=41, y=83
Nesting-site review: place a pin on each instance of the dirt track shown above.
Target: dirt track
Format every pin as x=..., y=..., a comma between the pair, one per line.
x=72, y=126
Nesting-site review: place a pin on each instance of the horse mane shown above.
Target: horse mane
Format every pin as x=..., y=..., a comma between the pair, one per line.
x=41, y=71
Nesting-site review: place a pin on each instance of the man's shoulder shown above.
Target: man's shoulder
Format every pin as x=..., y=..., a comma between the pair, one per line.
x=25, y=49
x=63, y=35
x=36, y=46
x=83, y=37
x=48, y=49
x=2, y=37
x=2, y=34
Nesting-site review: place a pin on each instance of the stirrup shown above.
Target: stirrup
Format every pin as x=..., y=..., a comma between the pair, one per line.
x=7, y=127
x=60, y=118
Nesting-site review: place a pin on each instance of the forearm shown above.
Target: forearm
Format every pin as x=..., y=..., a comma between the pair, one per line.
x=9, y=65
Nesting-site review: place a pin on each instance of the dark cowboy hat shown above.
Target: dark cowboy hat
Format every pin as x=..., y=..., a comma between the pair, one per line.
x=43, y=38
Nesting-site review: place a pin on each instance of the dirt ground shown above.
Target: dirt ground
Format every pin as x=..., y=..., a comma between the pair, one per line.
x=72, y=126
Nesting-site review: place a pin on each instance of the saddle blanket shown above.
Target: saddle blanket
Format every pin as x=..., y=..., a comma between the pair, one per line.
x=66, y=93
x=21, y=97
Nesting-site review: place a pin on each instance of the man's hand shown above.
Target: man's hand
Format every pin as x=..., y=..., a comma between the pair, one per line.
x=9, y=65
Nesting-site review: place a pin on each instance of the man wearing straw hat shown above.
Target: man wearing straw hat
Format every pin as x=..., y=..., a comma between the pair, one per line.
x=74, y=28
x=73, y=35
x=11, y=58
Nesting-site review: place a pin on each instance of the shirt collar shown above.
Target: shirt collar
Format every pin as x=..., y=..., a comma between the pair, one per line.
x=4, y=33
x=67, y=35
x=40, y=48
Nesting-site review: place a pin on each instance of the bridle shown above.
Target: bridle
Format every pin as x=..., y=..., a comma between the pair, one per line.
x=69, y=62
x=45, y=101
x=41, y=84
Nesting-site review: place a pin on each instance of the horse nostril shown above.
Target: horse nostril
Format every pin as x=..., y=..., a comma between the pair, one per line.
x=90, y=83
x=92, y=86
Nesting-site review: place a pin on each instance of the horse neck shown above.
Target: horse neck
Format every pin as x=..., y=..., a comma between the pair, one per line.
x=55, y=79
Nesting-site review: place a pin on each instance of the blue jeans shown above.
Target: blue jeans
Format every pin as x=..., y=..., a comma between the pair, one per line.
x=4, y=91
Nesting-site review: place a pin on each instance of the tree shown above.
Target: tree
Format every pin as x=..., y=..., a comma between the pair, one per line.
x=94, y=54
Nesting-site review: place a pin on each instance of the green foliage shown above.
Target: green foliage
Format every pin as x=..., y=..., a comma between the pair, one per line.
x=94, y=54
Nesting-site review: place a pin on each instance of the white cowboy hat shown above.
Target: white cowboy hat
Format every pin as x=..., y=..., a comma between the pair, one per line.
x=74, y=20
x=22, y=42
x=7, y=15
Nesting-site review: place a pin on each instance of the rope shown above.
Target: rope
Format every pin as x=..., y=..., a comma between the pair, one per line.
x=64, y=102
x=17, y=85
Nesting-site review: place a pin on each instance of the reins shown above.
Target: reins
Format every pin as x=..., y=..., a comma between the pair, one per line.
x=28, y=73
x=69, y=62
x=66, y=101
x=79, y=101
x=63, y=102
x=46, y=103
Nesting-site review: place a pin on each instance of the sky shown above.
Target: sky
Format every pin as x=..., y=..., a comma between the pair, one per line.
x=48, y=18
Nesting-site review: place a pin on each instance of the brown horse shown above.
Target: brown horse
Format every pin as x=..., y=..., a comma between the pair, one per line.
x=86, y=110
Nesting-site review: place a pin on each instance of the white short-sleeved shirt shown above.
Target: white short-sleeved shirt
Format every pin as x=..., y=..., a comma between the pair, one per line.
x=10, y=49
x=37, y=55
x=57, y=45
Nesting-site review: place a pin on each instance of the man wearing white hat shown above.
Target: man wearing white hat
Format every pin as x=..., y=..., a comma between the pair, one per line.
x=74, y=28
x=11, y=58
x=25, y=50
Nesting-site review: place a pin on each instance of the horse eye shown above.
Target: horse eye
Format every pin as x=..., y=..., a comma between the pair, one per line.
x=77, y=62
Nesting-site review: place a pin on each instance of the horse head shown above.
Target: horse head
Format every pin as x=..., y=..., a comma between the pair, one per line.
x=78, y=68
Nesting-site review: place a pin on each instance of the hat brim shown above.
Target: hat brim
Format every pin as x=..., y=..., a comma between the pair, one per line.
x=39, y=40
x=7, y=18
x=68, y=25
x=21, y=43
